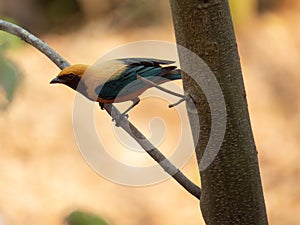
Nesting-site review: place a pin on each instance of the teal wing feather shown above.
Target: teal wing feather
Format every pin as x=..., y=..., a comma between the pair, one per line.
x=127, y=82
x=146, y=61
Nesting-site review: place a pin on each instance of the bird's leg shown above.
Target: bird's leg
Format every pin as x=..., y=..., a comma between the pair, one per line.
x=101, y=105
x=134, y=103
x=124, y=114
x=183, y=97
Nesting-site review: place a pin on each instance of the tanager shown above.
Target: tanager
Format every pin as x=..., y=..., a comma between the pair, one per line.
x=117, y=80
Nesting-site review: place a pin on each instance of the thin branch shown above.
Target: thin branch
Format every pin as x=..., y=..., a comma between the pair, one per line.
x=153, y=151
x=111, y=110
x=34, y=41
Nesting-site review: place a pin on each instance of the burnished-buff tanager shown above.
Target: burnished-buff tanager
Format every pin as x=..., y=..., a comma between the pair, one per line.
x=117, y=80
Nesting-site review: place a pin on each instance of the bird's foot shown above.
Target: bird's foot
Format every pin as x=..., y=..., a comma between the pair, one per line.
x=119, y=118
x=124, y=115
x=184, y=98
x=101, y=105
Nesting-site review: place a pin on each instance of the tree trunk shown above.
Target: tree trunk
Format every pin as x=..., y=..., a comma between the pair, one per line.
x=231, y=185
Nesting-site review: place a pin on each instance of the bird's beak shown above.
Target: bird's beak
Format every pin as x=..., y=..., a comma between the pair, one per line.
x=56, y=80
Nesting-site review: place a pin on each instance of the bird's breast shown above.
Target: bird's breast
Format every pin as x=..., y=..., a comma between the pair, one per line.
x=123, y=98
x=99, y=74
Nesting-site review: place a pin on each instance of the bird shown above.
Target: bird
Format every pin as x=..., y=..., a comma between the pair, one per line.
x=117, y=80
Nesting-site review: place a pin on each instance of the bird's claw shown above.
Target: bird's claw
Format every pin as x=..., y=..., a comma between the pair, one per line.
x=185, y=98
x=101, y=105
x=119, y=118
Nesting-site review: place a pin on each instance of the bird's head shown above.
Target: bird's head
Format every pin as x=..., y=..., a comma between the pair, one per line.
x=70, y=76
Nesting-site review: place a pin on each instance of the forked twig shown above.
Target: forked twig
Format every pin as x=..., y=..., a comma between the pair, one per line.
x=183, y=97
x=111, y=110
x=159, y=87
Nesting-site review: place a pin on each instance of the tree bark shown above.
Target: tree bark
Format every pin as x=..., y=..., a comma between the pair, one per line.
x=231, y=185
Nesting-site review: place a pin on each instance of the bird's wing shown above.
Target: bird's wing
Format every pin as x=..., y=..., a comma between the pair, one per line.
x=126, y=83
x=146, y=61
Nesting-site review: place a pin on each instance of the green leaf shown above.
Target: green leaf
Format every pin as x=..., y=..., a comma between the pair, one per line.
x=10, y=78
x=83, y=218
x=8, y=41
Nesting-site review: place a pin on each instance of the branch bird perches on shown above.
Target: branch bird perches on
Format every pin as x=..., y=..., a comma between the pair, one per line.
x=110, y=109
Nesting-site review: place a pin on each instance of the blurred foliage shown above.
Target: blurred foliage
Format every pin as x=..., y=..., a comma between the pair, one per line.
x=83, y=218
x=56, y=15
x=139, y=13
x=10, y=76
x=8, y=41
x=242, y=11
x=126, y=13
x=268, y=5
x=43, y=15
x=59, y=12
x=9, y=80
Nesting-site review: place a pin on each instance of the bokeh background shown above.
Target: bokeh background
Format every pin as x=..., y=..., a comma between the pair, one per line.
x=42, y=174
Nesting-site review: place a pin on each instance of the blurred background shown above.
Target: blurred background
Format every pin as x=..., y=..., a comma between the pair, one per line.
x=42, y=174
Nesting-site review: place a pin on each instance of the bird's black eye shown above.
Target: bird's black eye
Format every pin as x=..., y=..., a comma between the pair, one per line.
x=69, y=76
